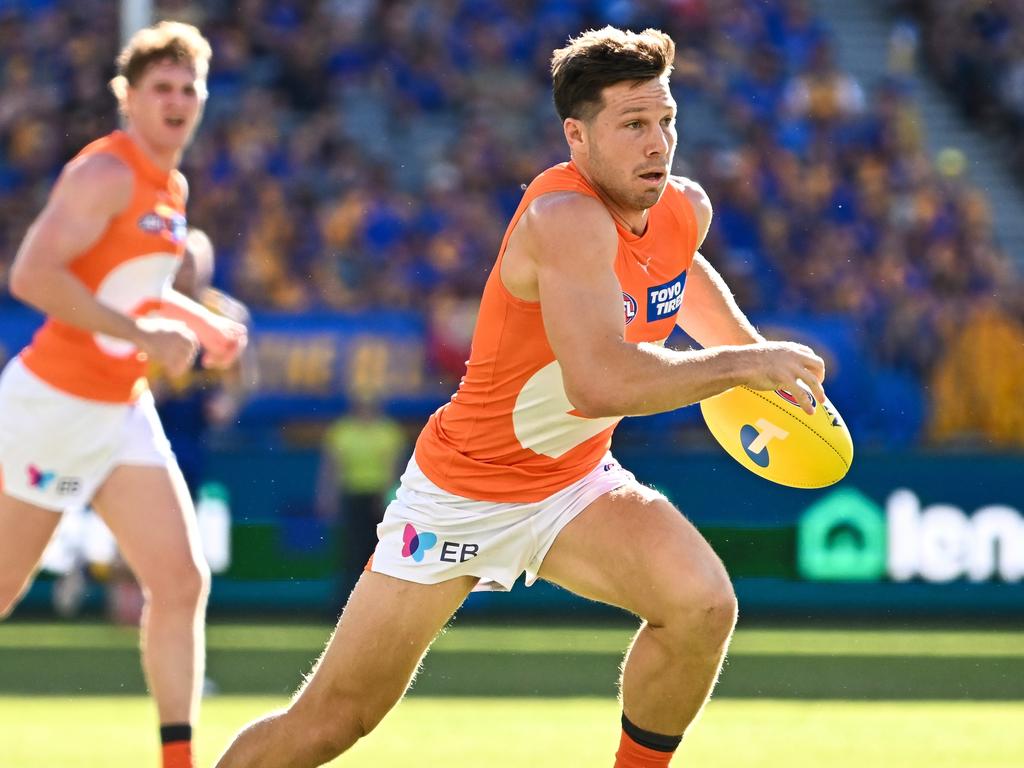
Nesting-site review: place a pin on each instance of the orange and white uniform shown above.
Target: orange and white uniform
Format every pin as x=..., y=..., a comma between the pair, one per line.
x=509, y=447
x=74, y=404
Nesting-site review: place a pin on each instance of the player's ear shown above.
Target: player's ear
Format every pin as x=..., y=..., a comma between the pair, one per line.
x=575, y=133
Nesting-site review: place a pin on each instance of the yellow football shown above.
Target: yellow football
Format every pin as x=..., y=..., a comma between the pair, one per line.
x=772, y=436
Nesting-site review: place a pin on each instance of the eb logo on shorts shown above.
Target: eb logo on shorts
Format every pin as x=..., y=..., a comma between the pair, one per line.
x=665, y=300
x=44, y=480
x=415, y=544
x=39, y=478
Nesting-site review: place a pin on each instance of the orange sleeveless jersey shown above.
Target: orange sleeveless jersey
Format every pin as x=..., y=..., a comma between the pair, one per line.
x=127, y=269
x=510, y=434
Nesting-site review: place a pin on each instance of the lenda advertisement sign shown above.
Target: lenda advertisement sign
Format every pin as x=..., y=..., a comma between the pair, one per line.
x=846, y=536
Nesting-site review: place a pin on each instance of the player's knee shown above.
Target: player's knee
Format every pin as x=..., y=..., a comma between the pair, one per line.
x=332, y=735
x=703, y=614
x=719, y=610
x=185, y=585
x=333, y=738
x=9, y=595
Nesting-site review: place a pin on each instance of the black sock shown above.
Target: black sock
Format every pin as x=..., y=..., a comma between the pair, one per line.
x=175, y=732
x=656, y=741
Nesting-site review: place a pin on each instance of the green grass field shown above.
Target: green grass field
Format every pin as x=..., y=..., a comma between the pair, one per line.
x=118, y=732
x=498, y=697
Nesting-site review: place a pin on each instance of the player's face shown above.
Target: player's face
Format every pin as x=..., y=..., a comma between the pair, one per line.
x=629, y=144
x=165, y=105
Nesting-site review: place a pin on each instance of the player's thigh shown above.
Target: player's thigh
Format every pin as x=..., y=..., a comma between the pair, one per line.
x=150, y=513
x=25, y=530
x=385, y=629
x=632, y=548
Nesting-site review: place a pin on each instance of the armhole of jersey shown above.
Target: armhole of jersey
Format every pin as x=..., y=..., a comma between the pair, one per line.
x=690, y=216
x=579, y=187
x=510, y=297
x=111, y=151
x=182, y=184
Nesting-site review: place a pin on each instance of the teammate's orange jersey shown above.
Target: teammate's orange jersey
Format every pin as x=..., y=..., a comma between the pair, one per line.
x=509, y=433
x=127, y=269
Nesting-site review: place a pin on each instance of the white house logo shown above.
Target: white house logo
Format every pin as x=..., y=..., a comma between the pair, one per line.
x=629, y=307
x=665, y=300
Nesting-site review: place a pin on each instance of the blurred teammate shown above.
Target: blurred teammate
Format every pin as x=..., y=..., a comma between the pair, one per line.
x=77, y=422
x=514, y=473
x=202, y=399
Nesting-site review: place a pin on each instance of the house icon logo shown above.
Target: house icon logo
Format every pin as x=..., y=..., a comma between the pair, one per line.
x=842, y=537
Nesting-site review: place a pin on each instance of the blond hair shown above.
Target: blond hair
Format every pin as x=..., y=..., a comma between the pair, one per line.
x=165, y=41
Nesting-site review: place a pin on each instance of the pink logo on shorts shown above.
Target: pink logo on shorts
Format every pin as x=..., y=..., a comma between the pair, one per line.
x=37, y=478
x=415, y=543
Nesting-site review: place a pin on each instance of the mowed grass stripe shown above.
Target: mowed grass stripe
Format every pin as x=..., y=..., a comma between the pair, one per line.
x=532, y=639
x=469, y=733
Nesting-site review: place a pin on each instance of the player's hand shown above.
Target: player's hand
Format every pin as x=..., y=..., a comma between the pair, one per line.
x=225, y=342
x=169, y=343
x=789, y=366
x=221, y=407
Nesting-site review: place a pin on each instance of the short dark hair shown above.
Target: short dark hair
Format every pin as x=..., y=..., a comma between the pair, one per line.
x=598, y=58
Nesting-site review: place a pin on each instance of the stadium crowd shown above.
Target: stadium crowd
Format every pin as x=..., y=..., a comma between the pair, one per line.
x=976, y=49
x=366, y=154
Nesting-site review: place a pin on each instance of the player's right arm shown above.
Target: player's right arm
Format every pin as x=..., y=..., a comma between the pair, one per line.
x=88, y=195
x=571, y=242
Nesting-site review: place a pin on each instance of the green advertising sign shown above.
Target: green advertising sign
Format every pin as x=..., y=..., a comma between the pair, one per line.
x=846, y=536
x=842, y=537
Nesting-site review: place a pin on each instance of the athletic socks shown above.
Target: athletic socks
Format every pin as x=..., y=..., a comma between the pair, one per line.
x=177, y=745
x=642, y=749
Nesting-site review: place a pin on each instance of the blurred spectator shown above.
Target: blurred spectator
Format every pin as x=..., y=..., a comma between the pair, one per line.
x=976, y=49
x=362, y=455
x=975, y=388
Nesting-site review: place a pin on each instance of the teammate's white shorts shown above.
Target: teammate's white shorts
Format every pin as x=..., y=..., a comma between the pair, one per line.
x=429, y=535
x=57, y=449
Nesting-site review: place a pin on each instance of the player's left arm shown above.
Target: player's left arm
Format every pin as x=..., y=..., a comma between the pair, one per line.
x=709, y=314
x=222, y=339
x=240, y=379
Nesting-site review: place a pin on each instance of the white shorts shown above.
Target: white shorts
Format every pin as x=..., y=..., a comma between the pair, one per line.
x=57, y=449
x=429, y=535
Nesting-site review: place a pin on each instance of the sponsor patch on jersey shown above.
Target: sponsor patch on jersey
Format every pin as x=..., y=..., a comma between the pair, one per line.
x=629, y=307
x=665, y=300
x=165, y=221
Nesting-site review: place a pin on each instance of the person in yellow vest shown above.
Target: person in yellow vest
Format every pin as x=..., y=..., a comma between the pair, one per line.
x=362, y=454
